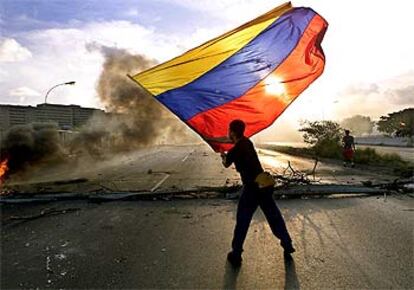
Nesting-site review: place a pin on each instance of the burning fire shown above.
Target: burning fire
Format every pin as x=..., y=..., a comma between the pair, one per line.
x=3, y=168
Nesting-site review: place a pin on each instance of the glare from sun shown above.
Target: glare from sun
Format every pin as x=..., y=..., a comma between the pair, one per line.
x=274, y=86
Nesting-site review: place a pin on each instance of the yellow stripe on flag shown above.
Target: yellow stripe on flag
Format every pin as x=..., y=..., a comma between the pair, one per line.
x=194, y=63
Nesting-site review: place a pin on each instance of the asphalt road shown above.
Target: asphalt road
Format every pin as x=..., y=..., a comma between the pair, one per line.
x=172, y=168
x=353, y=243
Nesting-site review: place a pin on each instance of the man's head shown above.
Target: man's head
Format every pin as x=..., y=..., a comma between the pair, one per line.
x=236, y=130
x=347, y=132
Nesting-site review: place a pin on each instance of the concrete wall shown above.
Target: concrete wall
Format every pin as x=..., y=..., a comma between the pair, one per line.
x=385, y=140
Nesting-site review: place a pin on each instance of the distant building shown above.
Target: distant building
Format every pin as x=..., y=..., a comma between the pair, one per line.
x=67, y=117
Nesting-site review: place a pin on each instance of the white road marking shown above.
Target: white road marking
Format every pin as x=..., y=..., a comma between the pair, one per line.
x=168, y=175
x=160, y=182
x=186, y=156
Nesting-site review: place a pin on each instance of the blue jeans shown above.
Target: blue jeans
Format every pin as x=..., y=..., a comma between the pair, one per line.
x=250, y=199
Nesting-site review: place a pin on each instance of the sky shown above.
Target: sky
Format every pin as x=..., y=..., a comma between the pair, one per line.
x=368, y=46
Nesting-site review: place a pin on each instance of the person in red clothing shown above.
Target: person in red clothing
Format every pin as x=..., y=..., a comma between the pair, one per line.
x=247, y=163
x=348, y=148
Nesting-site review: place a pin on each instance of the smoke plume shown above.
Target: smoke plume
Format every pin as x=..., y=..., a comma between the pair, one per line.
x=134, y=119
x=25, y=145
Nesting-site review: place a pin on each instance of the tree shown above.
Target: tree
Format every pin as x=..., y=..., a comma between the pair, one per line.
x=400, y=124
x=358, y=124
x=324, y=136
x=317, y=131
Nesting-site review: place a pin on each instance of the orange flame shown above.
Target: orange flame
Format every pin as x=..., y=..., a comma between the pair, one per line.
x=3, y=168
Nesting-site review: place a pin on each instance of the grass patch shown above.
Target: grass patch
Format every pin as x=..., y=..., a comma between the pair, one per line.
x=367, y=156
x=394, y=161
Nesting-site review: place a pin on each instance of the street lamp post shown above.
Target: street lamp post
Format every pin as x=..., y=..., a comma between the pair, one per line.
x=55, y=86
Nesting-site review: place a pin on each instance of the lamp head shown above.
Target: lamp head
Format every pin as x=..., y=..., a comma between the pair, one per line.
x=70, y=83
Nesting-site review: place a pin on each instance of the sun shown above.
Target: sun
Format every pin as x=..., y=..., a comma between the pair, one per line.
x=274, y=86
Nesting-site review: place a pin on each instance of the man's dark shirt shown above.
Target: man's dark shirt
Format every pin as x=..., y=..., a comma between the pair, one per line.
x=348, y=141
x=245, y=158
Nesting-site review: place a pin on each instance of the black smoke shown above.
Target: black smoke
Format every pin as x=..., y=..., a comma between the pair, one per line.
x=134, y=119
x=25, y=145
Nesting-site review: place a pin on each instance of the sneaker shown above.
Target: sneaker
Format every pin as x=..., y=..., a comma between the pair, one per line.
x=234, y=259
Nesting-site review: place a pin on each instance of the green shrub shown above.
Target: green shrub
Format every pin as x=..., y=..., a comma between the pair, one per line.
x=331, y=149
x=317, y=131
x=370, y=156
x=324, y=136
x=325, y=140
x=327, y=148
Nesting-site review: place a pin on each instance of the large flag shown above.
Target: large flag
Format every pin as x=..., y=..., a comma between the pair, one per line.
x=251, y=73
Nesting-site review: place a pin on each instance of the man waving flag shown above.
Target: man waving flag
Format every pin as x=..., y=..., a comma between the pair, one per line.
x=251, y=73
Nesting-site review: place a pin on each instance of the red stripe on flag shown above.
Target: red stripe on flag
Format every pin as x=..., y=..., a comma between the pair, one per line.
x=266, y=101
